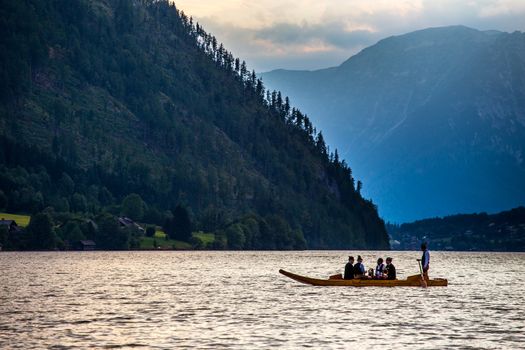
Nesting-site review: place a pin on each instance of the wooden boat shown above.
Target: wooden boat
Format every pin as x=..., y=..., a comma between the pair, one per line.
x=411, y=281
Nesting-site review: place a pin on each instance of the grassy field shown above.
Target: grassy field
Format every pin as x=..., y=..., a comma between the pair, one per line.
x=159, y=234
x=21, y=220
x=162, y=243
x=206, y=238
x=148, y=243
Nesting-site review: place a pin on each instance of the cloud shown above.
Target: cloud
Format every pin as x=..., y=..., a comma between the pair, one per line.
x=309, y=34
x=502, y=8
x=290, y=45
x=331, y=33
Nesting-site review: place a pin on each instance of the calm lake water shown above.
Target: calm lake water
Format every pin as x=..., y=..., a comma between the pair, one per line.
x=211, y=300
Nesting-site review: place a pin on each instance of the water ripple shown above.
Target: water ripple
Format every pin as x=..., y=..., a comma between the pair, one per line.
x=211, y=300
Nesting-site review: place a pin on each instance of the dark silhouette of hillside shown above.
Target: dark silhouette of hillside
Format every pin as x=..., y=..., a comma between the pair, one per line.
x=105, y=99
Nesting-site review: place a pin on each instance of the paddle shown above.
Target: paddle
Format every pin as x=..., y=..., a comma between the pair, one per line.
x=423, y=281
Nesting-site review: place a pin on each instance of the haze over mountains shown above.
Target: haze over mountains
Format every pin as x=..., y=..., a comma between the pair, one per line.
x=433, y=122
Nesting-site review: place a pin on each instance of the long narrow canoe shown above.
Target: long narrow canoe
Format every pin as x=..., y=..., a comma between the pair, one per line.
x=411, y=281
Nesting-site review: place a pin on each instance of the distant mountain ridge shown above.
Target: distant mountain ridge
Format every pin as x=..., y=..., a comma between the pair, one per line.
x=434, y=120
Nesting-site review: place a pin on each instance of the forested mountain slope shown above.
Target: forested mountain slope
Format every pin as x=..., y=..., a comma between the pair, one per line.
x=104, y=98
x=433, y=121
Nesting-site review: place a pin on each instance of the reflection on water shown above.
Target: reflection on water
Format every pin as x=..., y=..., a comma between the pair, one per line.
x=239, y=300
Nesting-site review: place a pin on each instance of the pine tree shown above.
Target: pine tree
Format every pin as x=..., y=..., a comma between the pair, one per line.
x=41, y=232
x=181, y=224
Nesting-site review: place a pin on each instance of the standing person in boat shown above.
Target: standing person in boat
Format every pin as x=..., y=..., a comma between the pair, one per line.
x=390, y=269
x=359, y=268
x=380, y=269
x=349, y=269
x=425, y=260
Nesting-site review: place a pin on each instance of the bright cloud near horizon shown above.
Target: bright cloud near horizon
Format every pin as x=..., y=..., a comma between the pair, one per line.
x=313, y=34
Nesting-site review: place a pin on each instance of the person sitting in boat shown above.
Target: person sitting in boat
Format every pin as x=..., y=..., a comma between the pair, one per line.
x=349, y=269
x=390, y=269
x=380, y=269
x=425, y=260
x=359, y=268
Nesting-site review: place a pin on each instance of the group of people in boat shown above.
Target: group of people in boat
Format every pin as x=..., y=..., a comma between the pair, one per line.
x=357, y=270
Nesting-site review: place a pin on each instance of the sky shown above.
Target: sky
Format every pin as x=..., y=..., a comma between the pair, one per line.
x=314, y=34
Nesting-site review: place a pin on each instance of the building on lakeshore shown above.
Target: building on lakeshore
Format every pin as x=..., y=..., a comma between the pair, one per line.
x=10, y=224
x=86, y=245
x=128, y=223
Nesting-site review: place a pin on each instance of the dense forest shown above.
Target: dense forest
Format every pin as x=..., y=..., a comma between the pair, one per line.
x=504, y=231
x=116, y=107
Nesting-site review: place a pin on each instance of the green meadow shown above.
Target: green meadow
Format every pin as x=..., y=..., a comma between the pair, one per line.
x=21, y=220
x=159, y=241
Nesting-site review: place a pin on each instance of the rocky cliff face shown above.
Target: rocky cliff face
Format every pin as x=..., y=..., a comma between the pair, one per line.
x=433, y=120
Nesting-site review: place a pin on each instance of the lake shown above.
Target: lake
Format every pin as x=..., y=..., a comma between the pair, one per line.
x=212, y=300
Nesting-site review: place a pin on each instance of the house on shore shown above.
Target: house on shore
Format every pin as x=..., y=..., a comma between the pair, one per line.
x=86, y=245
x=10, y=224
x=128, y=223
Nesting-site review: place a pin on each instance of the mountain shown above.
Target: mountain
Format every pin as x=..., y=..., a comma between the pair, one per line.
x=501, y=232
x=131, y=108
x=433, y=121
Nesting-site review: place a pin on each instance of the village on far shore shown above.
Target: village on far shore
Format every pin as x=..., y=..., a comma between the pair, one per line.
x=14, y=229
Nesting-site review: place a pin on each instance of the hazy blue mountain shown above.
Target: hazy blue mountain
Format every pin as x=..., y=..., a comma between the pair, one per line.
x=433, y=121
